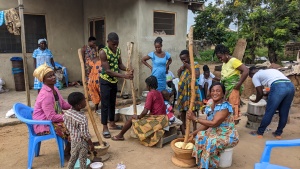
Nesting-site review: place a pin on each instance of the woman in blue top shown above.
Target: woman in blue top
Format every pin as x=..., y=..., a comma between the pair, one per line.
x=160, y=62
x=40, y=56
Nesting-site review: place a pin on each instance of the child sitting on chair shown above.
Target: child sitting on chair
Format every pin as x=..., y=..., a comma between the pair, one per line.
x=169, y=109
x=77, y=124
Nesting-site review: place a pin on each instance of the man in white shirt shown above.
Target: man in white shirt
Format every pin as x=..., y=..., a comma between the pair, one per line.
x=280, y=98
x=205, y=81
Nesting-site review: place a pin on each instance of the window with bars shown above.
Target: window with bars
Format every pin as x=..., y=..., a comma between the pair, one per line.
x=97, y=29
x=164, y=23
x=35, y=28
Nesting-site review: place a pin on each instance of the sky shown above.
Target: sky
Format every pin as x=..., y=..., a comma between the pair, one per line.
x=191, y=20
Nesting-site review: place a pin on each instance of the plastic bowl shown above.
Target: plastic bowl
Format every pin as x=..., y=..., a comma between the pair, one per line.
x=96, y=165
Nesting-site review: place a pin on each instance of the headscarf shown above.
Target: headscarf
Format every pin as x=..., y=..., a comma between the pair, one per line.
x=41, y=71
x=42, y=40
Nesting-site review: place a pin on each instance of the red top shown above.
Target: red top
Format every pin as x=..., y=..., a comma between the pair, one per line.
x=155, y=103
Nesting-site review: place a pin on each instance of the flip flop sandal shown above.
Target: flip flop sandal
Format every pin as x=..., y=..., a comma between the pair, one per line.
x=276, y=136
x=254, y=133
x=106, y=134
x=117, y=127
x=114, y=138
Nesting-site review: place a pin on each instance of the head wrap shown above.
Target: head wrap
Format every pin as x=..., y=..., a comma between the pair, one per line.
x=41, y=71
x=205, y=68
x=42, y=40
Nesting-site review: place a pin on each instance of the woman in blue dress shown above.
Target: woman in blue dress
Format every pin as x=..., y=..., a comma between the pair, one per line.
x=160, y=62
x=40, y=56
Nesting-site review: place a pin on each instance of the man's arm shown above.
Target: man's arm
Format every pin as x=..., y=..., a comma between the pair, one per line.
x=259, y=94
x=105, y=66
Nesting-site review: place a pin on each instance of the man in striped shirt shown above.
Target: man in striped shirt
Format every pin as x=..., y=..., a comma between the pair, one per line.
x=77, y=124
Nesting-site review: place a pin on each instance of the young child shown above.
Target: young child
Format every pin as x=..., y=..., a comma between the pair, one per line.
x=205, y=81
x=170, y=85
x=169, y=109
x=77, y=124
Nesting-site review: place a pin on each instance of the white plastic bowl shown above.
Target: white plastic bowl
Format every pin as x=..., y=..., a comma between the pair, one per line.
x=96, y=165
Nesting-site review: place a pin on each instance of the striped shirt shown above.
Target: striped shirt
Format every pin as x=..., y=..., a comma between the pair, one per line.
x=77, y=124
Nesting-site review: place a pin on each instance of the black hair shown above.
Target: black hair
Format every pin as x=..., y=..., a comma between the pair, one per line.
x=92, y=38
x=151, y=81
x=217, y=84
x=221, y=49
x=113, y=36
x=75, y=98
x=158, y=40
x=252, y=68
x=184, y=52
x=205, y=68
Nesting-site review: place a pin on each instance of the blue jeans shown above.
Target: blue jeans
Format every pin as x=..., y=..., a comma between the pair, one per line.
x=280, y=98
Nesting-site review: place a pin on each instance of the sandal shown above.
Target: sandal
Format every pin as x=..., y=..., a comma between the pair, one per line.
x=117, y=127
x=254, y=133
x=236, y=122
x=114, y=138
x=276, y=136
x=106, y=134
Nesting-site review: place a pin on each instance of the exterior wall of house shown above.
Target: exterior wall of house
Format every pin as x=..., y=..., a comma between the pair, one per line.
x=64, y=35
x=171, y=43
x=133, y=21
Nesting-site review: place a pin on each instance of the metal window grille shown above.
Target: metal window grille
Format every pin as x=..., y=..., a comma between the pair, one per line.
x=164, y=23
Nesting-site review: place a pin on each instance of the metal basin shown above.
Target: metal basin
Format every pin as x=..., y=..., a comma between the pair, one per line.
x=256, y=109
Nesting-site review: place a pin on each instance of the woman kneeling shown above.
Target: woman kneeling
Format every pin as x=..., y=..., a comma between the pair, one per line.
x=217, y=132
x=148, y=128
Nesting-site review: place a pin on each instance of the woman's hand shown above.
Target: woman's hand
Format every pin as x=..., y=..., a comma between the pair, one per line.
x=186, y=65
x=237, y=86
x=136, y=117
x=91, y=145
x=190, y=115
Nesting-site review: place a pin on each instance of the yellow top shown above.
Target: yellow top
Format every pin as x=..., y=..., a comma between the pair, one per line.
x=230, y=68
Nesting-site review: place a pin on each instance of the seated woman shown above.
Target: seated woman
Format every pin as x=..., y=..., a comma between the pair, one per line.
x=149, y=134
x=49, y=105
x=217, y=132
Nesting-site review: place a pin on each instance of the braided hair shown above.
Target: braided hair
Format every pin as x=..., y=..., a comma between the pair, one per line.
x=151, y=81
x=158, y=40
x=221, y=49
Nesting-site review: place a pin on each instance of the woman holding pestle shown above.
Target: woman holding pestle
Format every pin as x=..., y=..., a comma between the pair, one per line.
x=217, y=132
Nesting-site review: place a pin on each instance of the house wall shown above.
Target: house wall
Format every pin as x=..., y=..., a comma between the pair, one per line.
x=133, y=21
x=171, y=43
x=120, y=17
x=64, y=34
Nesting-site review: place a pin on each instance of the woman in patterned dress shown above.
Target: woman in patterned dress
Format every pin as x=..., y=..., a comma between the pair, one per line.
x=217, y=132
x=184, y=88
x=40, y=56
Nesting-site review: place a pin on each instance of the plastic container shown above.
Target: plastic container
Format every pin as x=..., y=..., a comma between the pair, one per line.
x=18, y=72
x=226, y=158
x=77, y=164
x=96, y=165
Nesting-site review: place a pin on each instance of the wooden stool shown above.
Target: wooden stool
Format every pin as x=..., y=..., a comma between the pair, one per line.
x=168, y=136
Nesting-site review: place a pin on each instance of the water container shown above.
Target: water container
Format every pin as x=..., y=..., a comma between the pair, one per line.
x=226, y=158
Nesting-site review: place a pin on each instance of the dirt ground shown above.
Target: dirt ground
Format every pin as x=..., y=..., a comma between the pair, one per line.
x=13, y=149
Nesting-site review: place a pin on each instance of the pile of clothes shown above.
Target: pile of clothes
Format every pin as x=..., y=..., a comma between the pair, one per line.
x=12, y=21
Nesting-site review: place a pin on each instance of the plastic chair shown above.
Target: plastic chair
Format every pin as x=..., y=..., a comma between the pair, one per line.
x=24, y=114
x=65, y=72
x=265, y=158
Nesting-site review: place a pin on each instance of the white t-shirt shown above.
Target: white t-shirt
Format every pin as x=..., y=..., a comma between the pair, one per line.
x=202, y=80
x=267, y=77
x=170, y=76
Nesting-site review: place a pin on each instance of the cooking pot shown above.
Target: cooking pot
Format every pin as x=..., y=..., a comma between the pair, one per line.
x=257, y=108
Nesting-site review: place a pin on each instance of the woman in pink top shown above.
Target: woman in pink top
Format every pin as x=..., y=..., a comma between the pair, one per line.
x=49, y=105
x=148, y=128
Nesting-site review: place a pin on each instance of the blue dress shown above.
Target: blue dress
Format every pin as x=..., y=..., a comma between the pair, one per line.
x=41, y=56
x=159, y=66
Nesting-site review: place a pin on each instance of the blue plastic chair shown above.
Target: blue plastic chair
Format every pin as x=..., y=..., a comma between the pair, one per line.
x=265, y=158
x=65, y=72
x=24, y=114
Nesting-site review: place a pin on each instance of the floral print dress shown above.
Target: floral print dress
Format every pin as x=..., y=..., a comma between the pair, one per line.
x=210, y=143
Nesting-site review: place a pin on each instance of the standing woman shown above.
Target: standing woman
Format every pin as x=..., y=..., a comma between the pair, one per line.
x=233, y=75
x=160, y=62
x=184, y=88
x=40, y=56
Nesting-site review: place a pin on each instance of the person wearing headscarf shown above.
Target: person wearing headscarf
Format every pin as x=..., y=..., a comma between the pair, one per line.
x=49, y=105
x=40, y=56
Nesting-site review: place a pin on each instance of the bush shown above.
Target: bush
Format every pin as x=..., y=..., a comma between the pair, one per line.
x=207, y=56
